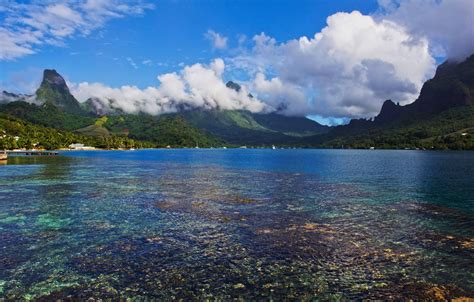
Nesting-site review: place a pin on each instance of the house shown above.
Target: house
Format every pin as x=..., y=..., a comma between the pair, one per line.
x=76, y=146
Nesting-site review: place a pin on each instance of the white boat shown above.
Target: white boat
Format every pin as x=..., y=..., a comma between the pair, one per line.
x=273, y=147
x=3, y=155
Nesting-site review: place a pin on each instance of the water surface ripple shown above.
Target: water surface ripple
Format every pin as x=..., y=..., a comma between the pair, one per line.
x=226, y=224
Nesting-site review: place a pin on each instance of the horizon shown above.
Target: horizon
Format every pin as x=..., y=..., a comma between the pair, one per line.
x=184, y=50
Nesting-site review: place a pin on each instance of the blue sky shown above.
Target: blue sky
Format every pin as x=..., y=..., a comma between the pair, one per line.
x=174, y=32
x=363, y=53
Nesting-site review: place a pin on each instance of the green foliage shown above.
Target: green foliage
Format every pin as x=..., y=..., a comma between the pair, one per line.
x=244, y=127
x=163, y=131
x=101, y=121
x=46, y=115
x=31, y=135
x=94, y=130
x=97, y=129
x=452, y=129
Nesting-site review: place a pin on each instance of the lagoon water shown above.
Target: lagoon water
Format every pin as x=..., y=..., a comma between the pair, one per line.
x=254, y=224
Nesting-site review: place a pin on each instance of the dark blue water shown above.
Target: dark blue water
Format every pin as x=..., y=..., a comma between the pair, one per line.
x=251, y=224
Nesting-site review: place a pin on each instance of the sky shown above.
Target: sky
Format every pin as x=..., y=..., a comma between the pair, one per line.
x=331, y=60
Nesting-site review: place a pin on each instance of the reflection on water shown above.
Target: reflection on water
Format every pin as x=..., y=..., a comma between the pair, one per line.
x=197, y=224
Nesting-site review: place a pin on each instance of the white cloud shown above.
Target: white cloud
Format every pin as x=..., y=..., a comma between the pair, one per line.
x=285, y=98
x=196, y=86
x=347, y=69
x=6, y=97
x=218, y=41
x=25, y=27
x=132, y=62
x=357, y=61
x=448, y=24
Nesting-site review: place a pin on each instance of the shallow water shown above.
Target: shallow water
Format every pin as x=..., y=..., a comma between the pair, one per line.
x=252, y=224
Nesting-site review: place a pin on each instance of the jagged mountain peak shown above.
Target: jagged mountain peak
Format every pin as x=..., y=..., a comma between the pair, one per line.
x=389, y=111
x=53, y=77
x=54, y=91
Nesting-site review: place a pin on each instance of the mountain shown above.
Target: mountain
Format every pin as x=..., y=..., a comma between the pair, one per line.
x=47, y=115
x=244, y=127
x=451, y=87
x=441, y=117
x=54, y=91
x=163, y=130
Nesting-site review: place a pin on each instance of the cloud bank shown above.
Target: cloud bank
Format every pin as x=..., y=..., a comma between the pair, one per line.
x=195, y=86
x=25, y=27
x=347, y=69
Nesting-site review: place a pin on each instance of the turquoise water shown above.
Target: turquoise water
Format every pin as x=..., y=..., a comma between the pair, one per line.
x=251, y=224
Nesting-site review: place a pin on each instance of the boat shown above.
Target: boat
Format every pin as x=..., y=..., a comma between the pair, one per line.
x=3, y=155
x=273, y=147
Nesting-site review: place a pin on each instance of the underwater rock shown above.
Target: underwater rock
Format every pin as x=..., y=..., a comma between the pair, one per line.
x=310, y=226
x=239, y=286
x=243, y=200
x=468, y=244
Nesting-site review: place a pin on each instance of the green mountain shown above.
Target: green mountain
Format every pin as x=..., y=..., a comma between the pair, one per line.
x=451, y=87
x=54, y=91
x=59, y=109
x=244, y=127
x=47, y=115
x=442, y=117
x=55, y=107
x=163, y=130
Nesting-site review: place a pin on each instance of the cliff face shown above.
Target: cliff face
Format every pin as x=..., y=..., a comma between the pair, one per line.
x=452, y=86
